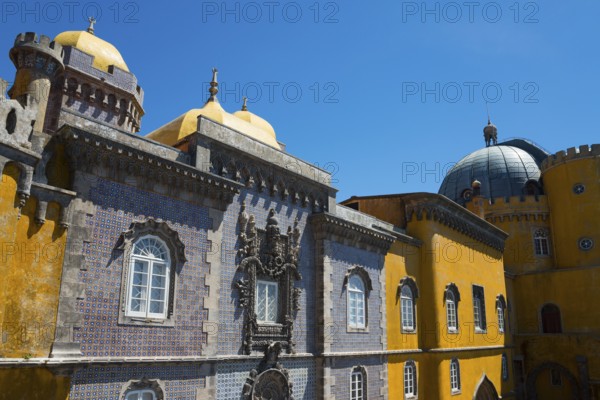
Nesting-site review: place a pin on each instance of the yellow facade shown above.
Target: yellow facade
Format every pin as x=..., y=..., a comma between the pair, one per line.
x=441, y=256
x=31, y=267
x=567, y=276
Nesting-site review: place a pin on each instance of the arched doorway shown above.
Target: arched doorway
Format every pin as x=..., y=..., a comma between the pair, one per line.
x=485, y=390
x=552, y=381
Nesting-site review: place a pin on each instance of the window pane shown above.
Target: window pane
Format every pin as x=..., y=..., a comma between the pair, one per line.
x=157, y=307
x=157, y=294
x=272, y=303
x=159, y=269
x=356, y=283
x=261, y=301
x=147, y=396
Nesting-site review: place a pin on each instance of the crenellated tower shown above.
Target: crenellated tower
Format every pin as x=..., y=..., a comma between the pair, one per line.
x=38, y=61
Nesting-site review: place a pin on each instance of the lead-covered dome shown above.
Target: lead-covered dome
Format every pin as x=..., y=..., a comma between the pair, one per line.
x=503, y=171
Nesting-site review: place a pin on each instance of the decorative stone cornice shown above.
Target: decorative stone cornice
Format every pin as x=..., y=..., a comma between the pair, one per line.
x=90, y=151
x=284, y=184
x=350, y=233
x=442, y=210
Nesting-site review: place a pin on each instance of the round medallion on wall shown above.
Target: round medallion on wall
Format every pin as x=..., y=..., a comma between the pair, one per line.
x=578, y=188
x=586, y=244
x=271, y=385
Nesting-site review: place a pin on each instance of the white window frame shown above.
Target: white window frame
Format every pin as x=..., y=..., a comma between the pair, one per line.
x=451, y=312
x=410, y=380
x=454, y=376
x=357, y=385
x=501, y=320
x=541, y=244
x=360, y=313
x=407, y=302
x=150, y=262
x=139, y=393
x=270, y=285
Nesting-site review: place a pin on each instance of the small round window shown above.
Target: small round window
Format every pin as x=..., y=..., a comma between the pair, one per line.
x=578, y=188
x=586, y=243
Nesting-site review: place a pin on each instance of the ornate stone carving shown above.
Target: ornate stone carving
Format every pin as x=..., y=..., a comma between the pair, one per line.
x=268, y=254
x=141, y=384
x=270, y=381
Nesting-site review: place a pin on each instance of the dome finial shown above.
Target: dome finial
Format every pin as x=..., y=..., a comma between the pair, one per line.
x=214, y=87
x=490, y=132
x=244, y=106
x=92, y=21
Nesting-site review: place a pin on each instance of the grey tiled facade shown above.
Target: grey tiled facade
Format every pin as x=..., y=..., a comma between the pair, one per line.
x=198, y=199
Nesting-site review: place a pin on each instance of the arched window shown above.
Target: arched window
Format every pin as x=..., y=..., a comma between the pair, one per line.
x=451, y=298
x=140, y=395
x=407, y=293
x=540, y=242
x=358, y=384
x=407, y=309
x=551, y=319
x=451, y=318
x=479, y=316
x=356, y=302
x=504, y=367
x=500, y=312
x=410, y=379
x=454, y=376
x=153, y=256
x=148, y=289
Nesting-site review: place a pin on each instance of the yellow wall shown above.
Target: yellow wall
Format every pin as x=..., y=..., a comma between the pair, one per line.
x=32, y=384
x=520, y=218
x=445, y=256
x=450, y=257
x=574, y=216
x=402, y=260
x=31, y=264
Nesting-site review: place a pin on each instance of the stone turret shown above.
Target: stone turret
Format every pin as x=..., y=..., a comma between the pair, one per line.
x=38, y=61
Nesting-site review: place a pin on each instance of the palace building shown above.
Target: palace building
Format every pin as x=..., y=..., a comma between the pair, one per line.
x=204, y=261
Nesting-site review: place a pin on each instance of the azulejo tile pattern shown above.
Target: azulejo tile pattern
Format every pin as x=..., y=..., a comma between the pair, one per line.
x=343, y=258
x=181, y=381
x=342, y=370
x=101, y=335
x=231, y=378
x=231, y=320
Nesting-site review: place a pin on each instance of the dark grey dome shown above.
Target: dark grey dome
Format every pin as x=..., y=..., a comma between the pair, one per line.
x=502, y=170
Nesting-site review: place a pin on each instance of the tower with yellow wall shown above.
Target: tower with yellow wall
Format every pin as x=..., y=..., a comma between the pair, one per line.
x=549, y=208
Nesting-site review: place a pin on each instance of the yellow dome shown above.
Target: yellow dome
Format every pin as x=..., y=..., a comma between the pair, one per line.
x=105, y=54
x=187, y=124
x=255, y=120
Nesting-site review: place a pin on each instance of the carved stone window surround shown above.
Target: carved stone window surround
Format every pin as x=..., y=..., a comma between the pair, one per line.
x=136, y=231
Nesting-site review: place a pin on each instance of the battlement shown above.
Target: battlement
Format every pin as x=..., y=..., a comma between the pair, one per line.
x=516, y=201
x=80, y=61
x=40, y=43
x=572, y=153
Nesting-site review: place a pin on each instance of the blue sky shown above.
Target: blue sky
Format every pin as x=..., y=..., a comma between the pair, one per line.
x=386, y=94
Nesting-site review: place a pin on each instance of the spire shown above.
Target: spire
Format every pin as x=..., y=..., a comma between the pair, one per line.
x=214, y=87
x=92, y=21
x=244, y=107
